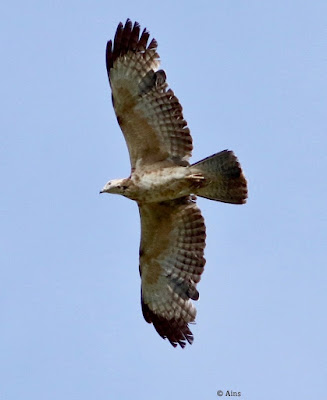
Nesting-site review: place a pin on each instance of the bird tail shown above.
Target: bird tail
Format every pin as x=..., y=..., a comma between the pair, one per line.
x=223, y=178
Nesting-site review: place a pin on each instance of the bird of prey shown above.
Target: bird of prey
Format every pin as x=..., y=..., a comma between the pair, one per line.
x=163, y=183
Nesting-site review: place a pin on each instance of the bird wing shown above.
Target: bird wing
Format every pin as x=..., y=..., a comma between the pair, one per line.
x=171, y=264
x=148, y=113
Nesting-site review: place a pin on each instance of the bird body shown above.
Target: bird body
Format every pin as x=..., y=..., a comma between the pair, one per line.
x=162, y=184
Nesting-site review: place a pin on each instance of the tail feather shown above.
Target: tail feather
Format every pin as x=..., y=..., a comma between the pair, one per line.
x=224, y=179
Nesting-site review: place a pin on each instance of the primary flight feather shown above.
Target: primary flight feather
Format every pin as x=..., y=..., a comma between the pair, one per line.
x=163, y=183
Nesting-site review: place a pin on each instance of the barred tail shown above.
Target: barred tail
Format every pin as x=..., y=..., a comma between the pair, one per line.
x=224, y=179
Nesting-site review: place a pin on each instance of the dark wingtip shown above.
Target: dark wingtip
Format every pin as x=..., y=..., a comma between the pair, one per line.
x=109, y=56
x=127, y=38
x=176, y=331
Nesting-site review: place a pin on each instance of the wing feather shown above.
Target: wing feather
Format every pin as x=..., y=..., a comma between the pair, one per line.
x=148, y=113
x=171, y=264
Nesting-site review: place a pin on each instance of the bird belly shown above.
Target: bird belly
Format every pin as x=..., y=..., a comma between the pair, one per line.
x=162, y=184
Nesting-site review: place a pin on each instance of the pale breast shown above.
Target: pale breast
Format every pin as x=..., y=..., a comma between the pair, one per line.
x=160, y=185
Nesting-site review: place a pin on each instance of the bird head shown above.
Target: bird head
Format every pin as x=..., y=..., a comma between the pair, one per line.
x=117, y=186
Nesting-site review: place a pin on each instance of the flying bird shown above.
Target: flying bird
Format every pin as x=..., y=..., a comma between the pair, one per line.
x=163, y=182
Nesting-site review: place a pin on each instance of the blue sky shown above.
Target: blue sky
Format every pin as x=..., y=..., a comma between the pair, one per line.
x=251, y=76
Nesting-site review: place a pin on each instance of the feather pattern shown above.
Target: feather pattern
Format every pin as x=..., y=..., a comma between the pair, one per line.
x=163, y=183
x=148, y=113
x=171, y=264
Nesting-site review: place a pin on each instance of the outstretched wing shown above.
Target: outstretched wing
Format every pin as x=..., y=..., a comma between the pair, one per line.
x=148, y=113
x=171, y=264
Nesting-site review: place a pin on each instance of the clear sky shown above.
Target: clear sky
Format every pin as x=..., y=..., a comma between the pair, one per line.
x=251, y=76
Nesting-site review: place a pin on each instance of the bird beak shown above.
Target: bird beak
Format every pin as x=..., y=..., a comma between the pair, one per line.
x=104, y=189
